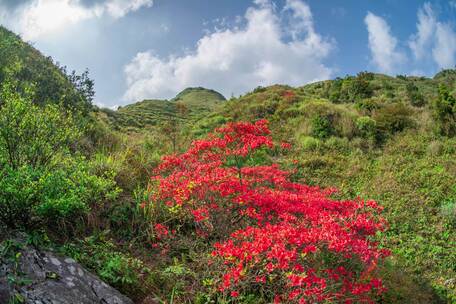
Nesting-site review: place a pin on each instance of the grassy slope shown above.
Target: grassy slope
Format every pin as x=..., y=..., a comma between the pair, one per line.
x=409, y=170
x=28, y=66
x=188, y=105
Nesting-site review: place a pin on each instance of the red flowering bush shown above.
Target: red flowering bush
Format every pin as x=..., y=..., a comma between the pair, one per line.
x=285, y=241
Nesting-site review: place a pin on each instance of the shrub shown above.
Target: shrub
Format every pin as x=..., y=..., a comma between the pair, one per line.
x=444, y=111
x=321, y=127
x=18, y=191
x=338, y=144
x=29, y=134
x=414, y=96
x=41, y=182
x=366, y=127
x=323, y=119
x=283, y=241
x=392, y=118
x=367, y=105
x=309, y=143
x=57, y=198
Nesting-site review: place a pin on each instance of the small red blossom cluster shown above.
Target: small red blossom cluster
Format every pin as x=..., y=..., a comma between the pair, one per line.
x=292, y=240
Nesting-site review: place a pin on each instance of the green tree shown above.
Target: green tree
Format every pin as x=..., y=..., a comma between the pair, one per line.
x=30, y=134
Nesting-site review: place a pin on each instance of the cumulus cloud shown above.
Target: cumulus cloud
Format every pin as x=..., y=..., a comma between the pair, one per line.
x=432, y=47
x=444, y=51
x=235, y=59
x=434, y=40
x=35, y=18
x=420, y=42
x=383, y=45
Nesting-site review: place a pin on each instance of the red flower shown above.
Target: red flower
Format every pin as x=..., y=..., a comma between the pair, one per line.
x=270, y=230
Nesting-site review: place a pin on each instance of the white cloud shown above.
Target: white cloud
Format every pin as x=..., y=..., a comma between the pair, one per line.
x=383, y=45
x=444, y=51
x=426, y=27
x=236, y=59
x=119, y=8
x=40, y=17
x=434, y=40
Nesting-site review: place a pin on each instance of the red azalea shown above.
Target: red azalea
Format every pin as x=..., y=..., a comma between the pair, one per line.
x=276, y=232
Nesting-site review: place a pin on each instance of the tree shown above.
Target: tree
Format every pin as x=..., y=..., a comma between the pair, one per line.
x=30, y=134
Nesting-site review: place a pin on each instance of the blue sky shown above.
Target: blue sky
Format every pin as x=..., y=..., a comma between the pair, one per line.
x=154, y=48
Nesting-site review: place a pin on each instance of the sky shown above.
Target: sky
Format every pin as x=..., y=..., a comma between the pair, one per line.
x=153, y=49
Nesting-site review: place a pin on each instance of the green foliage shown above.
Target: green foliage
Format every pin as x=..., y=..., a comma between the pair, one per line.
x=414, y=96
x=57, y=198
x=444, y=112
x=40, y=180
x=29, y=134
x=321, y=127
x=367, y=127
x=351, y=89
x=53, y=84
x=392, y=118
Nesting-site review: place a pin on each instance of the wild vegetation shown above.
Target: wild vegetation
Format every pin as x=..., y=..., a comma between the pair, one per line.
x=337, y=191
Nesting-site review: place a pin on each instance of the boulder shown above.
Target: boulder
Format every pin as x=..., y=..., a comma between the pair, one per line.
x=33, y=276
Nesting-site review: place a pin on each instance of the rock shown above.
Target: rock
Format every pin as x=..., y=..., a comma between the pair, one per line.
x=42, y=277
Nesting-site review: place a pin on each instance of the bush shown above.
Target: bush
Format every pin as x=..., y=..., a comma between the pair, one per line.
x=41, y=181
x=338, y=144
x=32, y=135
x=274, y=239
x=309, y=143
x=57, y=198
x=392, y=118
x=321, y=127
x=366, y=127
x=367, y=105
x=444, y=112
x=414, y=96
x=323, y=119
x=18, y=192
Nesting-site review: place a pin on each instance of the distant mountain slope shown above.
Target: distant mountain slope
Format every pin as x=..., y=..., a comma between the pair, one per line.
x=199, y=99
x=189, y=104
x=21, y=62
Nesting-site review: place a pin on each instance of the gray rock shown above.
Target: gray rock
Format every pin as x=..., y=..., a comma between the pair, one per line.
x=45, y=278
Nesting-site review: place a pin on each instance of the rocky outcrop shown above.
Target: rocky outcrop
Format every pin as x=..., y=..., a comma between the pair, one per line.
x=41, y=277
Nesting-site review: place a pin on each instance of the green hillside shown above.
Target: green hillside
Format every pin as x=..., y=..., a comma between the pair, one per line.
x=379, y=137
x=188, y=105
x=391, y=139
x=199, y=99
x=50, y=82
x=85, y=190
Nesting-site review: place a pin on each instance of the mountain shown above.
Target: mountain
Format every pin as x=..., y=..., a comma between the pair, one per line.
x=199, y=99
x=188, y=105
